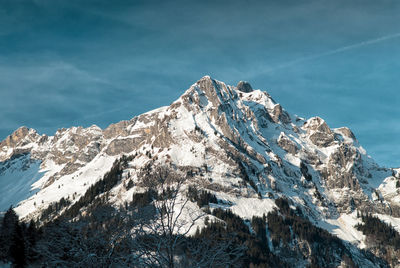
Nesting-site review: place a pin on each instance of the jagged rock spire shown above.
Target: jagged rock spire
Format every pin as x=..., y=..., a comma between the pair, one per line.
x=244, y=87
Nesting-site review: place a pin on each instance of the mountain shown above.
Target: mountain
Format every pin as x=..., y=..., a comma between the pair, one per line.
x=236, y=144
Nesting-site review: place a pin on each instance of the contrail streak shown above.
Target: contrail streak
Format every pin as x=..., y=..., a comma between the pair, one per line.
x=335, y=51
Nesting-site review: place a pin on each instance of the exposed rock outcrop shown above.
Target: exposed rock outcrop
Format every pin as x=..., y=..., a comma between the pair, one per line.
x=279, y=115
x=319, y=132
x=286, y=144
x=244, y=87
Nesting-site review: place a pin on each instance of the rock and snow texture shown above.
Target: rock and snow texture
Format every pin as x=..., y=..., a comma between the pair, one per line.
x=234, y=141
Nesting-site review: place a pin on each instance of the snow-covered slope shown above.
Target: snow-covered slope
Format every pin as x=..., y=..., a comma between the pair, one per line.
x=234, y=141
x=17, y=177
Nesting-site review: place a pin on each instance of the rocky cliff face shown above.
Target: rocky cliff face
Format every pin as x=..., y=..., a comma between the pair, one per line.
x=234, y=141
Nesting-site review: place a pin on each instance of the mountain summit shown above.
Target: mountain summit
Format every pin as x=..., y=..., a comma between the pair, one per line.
x=234, y=142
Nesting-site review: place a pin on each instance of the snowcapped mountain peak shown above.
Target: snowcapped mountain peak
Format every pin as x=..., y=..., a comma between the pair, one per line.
x=22, y=138
x=235, y=141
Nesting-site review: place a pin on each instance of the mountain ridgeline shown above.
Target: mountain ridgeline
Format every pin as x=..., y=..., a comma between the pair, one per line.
x=222, y=177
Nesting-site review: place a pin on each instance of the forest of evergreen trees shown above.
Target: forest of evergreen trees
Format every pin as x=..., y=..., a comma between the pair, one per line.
x=102, y=236
x=17, y=240
x=201, y=197
x=379, y=232
x=256, y=251
x=287, y=225
x=66, y=243
x=109, y=180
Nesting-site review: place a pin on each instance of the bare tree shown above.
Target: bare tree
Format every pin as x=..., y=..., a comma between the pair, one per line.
x=161, y=230
x=206, y=253
x=153, y=231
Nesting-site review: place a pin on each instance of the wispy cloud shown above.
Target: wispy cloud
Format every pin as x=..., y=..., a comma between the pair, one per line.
x=329, y=53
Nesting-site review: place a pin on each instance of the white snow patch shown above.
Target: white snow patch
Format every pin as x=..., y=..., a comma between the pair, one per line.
x=16, y=180
x=76, y=183
x=344, y=228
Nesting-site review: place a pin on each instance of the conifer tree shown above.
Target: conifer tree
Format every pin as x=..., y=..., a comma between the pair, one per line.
x=17, y=247
x=10, y=220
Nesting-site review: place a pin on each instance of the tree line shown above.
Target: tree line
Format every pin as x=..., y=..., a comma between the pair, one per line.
x=152, y=230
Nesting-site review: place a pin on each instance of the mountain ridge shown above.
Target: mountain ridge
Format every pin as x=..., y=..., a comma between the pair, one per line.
x=236, y=142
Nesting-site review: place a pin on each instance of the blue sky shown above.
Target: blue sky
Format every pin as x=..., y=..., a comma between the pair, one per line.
x=65, y=63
